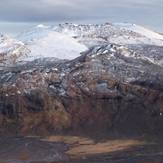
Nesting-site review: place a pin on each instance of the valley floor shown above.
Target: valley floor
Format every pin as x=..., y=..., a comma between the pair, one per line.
x=81, y=149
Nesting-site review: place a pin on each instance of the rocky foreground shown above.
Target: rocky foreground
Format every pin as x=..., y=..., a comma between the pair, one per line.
x=80, y=149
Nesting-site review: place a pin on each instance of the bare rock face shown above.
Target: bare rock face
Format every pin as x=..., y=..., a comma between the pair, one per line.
x=109, y=86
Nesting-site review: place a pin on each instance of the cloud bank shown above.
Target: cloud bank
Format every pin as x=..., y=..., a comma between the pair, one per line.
x=148, y=12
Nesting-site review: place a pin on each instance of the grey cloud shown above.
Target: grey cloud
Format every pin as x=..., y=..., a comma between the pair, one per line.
x=138, y=11
x=49, y=10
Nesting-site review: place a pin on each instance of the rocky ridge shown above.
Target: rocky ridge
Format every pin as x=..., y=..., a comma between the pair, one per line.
x=108, y=86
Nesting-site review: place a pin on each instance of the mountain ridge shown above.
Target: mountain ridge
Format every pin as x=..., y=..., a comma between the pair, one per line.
x=42, y=42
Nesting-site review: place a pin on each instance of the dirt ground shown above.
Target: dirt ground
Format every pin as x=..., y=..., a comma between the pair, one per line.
x=80, y=149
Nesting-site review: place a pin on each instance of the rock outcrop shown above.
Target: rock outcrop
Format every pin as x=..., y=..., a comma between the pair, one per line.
x=108, y=87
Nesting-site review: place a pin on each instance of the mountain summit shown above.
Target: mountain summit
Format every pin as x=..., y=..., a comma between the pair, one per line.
x=67, y=41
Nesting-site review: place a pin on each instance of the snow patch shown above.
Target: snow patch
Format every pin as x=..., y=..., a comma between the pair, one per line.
x=42, y=26
x=55, y=45
x=141, y=30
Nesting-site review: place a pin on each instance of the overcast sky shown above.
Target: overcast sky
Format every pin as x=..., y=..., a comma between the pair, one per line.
x=16, y=15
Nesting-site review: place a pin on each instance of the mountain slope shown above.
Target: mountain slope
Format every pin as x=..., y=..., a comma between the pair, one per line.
x=11, y=50
x=141, y=30
x=67, y=41
x=108, y=85
x=34, y=33
x=46, y=43
x=38, y=43
x=55, y=45
x=118, y=33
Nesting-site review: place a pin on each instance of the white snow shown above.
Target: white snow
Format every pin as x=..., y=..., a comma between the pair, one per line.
x=39, y=43
x=42, y=26
x=55, y=45
x=118, y=33
x=58, y=41
x=11, y=50
x=140, y=30
x=7, y=43
x=44, y=42
x=33, y=34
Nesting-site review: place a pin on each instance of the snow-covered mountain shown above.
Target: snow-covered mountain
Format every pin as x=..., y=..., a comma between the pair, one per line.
x=38, y=42
x=43, y=42
x=33, y=34
x=90, y=34
x=118, y=33
x=56, y=45
x=67, y=41
x=141, y=30
x=11, y=50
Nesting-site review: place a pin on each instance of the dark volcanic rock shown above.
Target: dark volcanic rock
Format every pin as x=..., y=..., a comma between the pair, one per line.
x=109, y=86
